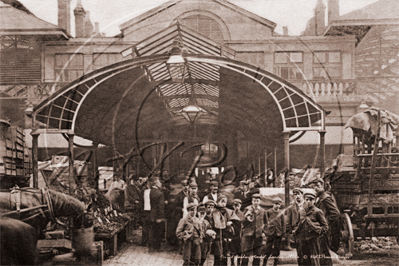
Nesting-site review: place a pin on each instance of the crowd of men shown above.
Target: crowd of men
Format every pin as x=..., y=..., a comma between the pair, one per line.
x=200, y=226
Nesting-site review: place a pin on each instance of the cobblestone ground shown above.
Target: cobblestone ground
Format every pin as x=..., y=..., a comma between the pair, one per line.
x=374, y=255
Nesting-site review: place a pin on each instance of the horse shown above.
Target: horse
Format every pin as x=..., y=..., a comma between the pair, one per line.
x=18, y=243
x=37, y=207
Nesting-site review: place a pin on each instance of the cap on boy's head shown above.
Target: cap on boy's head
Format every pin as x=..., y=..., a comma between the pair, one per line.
x=153, y=179
x=184, y=182
x=191, y=206
x=310, y=193
x=298, y=190
x=237, y=201
x=214, y=184
x=201, y=208
x=193, y=185
x=256, y=196
x=221, y=196
x=210, y=202
x=243, y=182
x=277, y=200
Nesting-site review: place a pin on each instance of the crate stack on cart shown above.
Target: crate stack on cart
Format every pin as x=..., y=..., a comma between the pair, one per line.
x=15, y=159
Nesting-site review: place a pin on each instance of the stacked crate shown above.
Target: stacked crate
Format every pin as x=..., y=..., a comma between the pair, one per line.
x=14, y=156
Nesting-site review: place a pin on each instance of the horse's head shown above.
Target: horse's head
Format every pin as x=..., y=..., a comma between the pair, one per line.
x=64, y=205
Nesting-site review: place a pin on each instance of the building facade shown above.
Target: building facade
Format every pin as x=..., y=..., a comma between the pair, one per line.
x=326, y=64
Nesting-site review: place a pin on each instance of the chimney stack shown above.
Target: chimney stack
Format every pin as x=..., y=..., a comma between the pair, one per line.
x=64, y=14
x=285, y=31
x=79, y=13
x=333, y=10
x=96, y=32
x=88, y=25
x=320, y=18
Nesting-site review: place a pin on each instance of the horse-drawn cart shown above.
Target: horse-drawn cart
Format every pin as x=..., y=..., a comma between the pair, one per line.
x=366, y=183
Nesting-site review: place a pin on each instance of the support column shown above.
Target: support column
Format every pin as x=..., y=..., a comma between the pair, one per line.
x=71, y=165
x=95, y=166
x=322, y=152
x=35, y=164
x=287, y=165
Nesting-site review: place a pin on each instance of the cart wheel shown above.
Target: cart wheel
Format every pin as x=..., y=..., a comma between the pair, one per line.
x=347, y=236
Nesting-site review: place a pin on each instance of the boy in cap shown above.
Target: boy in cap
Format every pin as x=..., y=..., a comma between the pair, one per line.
x=312, y=225
x=235, y=245
x=253, y=231
x=214, y=192
x=209, y=234
x=190, y=231
x=275, y=230
x=192, y=197
x=221, y=219
x=292, y=212
x=327, y=204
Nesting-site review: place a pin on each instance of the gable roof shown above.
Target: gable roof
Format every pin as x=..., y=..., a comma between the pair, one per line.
x=172, y=3
x=19, y=22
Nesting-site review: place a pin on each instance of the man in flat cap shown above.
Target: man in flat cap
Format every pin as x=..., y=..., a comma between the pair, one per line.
x=242, y=193
x=293, y=212
x=253, y=231
x=312, y=225
x=235, y=245
x=178, y=211
x=221, y=219
x=190, y=231
x=213, y=195
x=327, y=204
x=192, y=197
x=208, y=234
x=275, y=230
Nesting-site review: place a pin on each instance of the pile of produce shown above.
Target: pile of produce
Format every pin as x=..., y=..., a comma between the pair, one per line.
x=106, y=218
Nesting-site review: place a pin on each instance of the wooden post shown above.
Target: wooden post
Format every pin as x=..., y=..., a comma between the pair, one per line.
x=275, y=166
x=71, y=165
x=287, y=165
x=373, y=158
x=266, y=167
x=35, y=164
x=95, y=166
x=322, y=134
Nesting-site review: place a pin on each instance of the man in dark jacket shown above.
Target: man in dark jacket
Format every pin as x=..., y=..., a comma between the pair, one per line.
x=242, y=193
x=275, y=231
x=327, y=204
x=253, y=231
x=292, y=212
x=133, y=197
x=157, y=214
x=312, y=225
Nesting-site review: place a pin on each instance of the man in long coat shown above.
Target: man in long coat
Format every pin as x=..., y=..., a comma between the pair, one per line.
x=327, y=204
x=312, y=225
x=157, y=214
x=292, y=212
x=253, y=231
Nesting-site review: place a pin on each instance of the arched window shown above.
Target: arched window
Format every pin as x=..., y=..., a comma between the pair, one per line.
x=205, y=26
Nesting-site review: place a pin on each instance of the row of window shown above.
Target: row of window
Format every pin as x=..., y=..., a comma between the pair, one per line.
x=287, y=65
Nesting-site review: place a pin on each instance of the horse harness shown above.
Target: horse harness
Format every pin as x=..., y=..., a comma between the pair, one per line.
x=15, y=202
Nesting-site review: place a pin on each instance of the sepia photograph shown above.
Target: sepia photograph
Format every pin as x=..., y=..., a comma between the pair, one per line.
x=199, y=132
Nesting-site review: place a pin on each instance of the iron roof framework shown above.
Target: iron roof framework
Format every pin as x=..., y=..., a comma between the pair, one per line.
x=116, y=104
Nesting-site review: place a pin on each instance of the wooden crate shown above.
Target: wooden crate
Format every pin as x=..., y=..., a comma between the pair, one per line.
x=110, y=243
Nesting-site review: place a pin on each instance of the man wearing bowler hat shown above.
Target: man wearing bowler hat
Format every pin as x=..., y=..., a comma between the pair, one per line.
x=312, y=225
x=214, y=192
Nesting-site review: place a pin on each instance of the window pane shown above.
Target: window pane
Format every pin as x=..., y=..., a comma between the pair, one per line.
x=319, y=57
x=284, y=72
x=296, y=57
x=334, y=72
x=295, y=73
x=334, y=57
x=319, y=73
x=280, y=58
